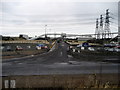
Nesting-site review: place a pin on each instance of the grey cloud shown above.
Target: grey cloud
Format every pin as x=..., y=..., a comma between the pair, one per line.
x=66, y=15
x=8, y=7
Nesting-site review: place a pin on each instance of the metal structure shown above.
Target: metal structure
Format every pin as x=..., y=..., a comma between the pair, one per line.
x=107, y=25
x=97, y=29
x=45, y=30
x=103, y=28
x=71, y=35
x=101, y=31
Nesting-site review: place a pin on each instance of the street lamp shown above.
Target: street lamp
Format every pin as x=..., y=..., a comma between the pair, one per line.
x=45, y=32
x=45, y=29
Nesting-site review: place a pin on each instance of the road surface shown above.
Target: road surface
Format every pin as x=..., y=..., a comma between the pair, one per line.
x=57, y=61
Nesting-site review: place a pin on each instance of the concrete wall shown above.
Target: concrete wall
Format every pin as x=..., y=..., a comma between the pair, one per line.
x=64, y=81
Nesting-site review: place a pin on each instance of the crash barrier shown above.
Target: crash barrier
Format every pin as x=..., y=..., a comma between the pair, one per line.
x=53, y=46
x=23, y=44
x=27, y=41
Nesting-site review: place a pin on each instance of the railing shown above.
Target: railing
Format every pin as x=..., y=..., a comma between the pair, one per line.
x=27, y=41
x=71, y=35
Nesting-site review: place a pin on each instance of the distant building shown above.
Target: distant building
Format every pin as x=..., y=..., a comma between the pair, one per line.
x=85, y=38
x=63, y=35
x=23, y=36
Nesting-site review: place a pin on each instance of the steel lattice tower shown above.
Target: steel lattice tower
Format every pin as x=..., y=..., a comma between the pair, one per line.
x=97, y=33
x=107, y=25
x=101, y=31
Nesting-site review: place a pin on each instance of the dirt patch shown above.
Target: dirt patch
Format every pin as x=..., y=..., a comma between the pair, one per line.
x=95, y=56
x=17, y=54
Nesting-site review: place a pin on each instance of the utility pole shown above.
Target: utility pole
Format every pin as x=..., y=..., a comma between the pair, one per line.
x=119, y=23
x=45, y=29
x=107, y=25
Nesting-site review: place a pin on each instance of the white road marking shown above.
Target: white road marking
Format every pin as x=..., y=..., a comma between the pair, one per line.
x=74, y=62
x=69, y=56
x=20, y=63
x=61, y=53
x=61, y=63
x=32, y=55
x=63, y=45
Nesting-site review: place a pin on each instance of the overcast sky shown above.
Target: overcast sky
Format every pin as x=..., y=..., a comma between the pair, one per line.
x=31, y=16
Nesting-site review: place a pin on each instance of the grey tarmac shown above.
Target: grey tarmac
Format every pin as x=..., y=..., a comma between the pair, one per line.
x=57, y=61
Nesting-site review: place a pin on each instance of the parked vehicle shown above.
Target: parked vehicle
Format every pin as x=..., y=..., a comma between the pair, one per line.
x=109, y=45
x=117, y=48
x=80, y=45
x=46, y=47
x=38, y=47
x=9, y=48
x=19, y=48
x=28, y=47
x=91, y=49
x=2, y=47
x=41, y=46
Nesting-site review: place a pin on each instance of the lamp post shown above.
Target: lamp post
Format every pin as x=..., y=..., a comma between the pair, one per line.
x=45, y=32
x=45, y=29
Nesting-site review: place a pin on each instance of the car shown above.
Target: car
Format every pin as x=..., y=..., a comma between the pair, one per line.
x=91, y=49
x=28, y=47
x=109, y=45
x=46, y=47
x=38, y=47
x=111, y=49
x=2, y=47
x=9, y=48
x=117, y=48
x=41, y=46
x=80, y=45
x=19, y=48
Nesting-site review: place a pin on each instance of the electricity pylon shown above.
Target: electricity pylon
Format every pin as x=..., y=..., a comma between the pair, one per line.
x=97, y=33
x=107, y=32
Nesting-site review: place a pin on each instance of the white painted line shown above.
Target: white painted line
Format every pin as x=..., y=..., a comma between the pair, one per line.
x=74, y=62
x=61, y=63
x=32, y=55
x=63, y=45
x=69, y=56
x=61, y=53
x=20, y=63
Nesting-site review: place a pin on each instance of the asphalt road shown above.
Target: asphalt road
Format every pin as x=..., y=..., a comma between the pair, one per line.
x=57, y=61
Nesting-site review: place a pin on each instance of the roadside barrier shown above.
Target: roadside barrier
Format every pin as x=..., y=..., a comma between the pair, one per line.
x=27, y=41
